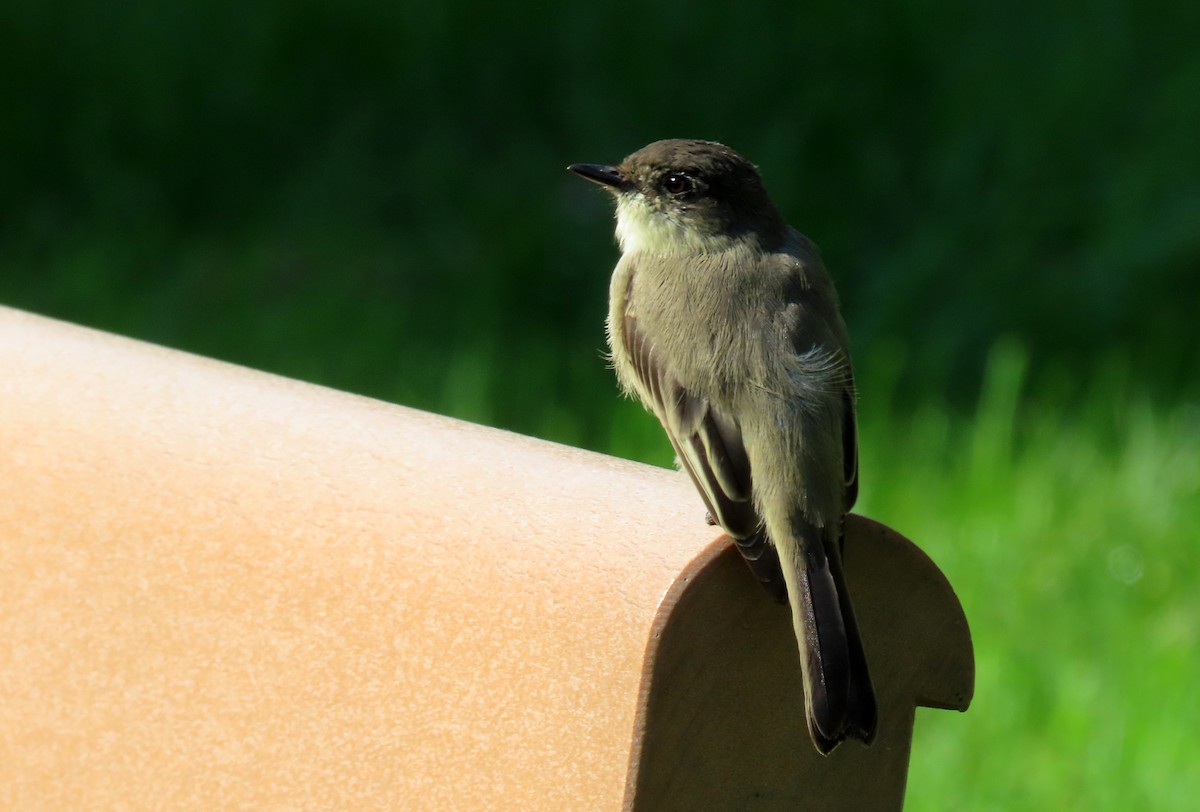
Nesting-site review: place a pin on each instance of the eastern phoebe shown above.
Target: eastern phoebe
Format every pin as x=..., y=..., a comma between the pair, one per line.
x=723, y=321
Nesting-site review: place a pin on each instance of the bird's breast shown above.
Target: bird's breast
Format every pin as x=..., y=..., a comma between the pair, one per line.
x=707, y=317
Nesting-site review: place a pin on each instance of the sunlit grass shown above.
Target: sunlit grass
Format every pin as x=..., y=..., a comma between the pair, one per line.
x=1068, y=533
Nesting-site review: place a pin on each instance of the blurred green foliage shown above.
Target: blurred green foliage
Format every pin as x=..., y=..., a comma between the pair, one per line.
x=1069, y=534
x=371, y=195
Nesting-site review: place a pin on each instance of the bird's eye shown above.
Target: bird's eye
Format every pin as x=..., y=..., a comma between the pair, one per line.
x=676, y=183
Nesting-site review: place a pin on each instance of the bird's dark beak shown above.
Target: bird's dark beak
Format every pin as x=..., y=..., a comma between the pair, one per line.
x=602, y=174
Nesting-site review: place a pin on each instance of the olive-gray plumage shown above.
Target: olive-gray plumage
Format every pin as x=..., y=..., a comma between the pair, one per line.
x=723, y=321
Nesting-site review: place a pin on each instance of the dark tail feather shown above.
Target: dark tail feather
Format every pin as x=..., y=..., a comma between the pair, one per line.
x=825, y=661
x=837, y=687
x=861, y=712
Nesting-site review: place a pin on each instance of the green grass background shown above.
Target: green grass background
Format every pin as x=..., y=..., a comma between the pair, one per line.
x=371, y=195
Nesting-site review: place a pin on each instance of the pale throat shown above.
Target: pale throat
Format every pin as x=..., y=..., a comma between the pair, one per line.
x=642, y=229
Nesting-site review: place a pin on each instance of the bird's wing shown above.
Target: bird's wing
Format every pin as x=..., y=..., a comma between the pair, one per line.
x=710, y=448
x=838, y=692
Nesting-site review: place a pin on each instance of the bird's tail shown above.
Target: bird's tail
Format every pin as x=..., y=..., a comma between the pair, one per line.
x=838, y=697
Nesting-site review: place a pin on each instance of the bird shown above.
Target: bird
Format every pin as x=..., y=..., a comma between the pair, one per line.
x=725, y=324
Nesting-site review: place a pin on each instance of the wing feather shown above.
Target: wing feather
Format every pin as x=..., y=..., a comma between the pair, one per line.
x=710, y=448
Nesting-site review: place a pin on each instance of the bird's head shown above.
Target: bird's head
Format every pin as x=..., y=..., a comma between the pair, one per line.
x=681, y=196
